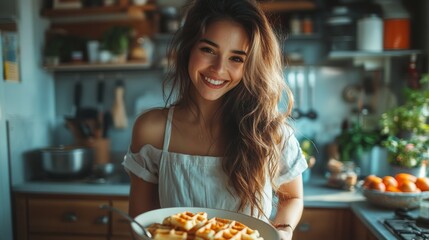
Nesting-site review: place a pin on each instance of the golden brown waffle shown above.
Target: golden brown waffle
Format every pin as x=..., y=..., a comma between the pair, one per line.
x=189, y=226
x=170, y=234
x=224, y=229
x=188, y=220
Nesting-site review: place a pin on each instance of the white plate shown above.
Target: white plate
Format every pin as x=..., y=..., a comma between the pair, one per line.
x=157, y=216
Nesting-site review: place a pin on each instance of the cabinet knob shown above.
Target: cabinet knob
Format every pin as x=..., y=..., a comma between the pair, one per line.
x=102, y=220
x=70, y=217
x=304, y=227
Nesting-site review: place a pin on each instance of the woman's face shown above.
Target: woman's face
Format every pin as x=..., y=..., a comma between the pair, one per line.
x=216, y=62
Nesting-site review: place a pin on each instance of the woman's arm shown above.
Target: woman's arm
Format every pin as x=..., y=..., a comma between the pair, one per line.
x=290, y=207
x=143, y=196
x=148, y=129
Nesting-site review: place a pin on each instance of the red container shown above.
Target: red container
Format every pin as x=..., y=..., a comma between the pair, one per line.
x=396, y=34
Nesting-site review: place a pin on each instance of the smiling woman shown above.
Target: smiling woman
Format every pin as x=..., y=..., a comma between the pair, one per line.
x=221, y=142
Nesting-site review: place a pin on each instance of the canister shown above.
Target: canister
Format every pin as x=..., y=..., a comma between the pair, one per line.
x=396, y=25
x=396, y=34
x=370, y=33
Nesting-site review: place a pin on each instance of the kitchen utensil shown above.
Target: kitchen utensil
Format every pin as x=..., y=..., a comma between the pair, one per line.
x=157, y=216
x=296, y=111
x=107, y=123
x=118, y=109
x=311, y=114
x=77, y=95
x=129, y=218
x=67, y=161
x=100, y=107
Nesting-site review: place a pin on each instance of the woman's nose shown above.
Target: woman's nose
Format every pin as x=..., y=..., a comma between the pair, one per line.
x=218, y=64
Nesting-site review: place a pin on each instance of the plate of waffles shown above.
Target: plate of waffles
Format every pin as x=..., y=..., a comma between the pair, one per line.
x=188, y=223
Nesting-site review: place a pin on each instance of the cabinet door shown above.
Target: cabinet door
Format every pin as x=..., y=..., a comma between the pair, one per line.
x=64, y=237
x=67, y=216
x=120, y=226
x=319, y=223
x=360, y=231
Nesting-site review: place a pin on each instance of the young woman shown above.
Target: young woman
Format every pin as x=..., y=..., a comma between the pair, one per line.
x=222, y=143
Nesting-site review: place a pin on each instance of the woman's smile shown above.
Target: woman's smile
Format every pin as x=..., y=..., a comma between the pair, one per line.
x=213, y=82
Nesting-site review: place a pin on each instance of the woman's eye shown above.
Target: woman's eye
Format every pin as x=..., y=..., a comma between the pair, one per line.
x=237, y=59
x=207, y=50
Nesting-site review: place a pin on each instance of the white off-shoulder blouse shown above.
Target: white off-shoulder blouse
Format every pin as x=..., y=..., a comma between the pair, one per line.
x=199, y=181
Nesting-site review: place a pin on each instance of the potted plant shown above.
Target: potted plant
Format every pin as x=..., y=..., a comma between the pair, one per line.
x=116, y=41
x=406, y=131
x=52, y=51
x=355, y=141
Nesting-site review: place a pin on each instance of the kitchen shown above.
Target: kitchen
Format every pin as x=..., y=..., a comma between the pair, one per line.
x=32, y=114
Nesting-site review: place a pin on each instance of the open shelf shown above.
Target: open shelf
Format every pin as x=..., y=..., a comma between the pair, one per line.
x=288, y=5
x=91, y=11
x=68, y=67
x=365, y=54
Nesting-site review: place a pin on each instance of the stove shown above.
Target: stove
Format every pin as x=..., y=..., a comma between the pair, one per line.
x=406, y=227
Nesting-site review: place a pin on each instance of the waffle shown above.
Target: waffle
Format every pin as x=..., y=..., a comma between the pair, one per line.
x=224, y=229
x=169, y=234
x=187, y=220
x=189, y=226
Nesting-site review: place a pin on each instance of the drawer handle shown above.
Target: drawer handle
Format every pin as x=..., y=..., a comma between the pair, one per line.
x=70, y=217
x=102, y=220
x=304, y=227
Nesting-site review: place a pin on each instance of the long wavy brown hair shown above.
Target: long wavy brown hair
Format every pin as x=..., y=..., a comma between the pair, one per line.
x=250, y=111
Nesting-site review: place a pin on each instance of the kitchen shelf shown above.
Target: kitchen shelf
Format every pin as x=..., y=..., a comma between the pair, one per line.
x=288, y=5
x=91, y=11
x=69, y=67
x=365, y=54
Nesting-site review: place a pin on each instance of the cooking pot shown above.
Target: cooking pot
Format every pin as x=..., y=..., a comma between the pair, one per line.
x=67, y=161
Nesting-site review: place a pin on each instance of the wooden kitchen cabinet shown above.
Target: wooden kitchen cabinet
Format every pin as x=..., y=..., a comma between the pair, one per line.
x=360, y=231
x=49, y=216
x=324, y=223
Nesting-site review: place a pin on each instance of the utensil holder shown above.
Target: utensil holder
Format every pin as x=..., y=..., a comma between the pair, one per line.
x=101, y=148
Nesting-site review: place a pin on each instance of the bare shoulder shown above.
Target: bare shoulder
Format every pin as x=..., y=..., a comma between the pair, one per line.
x=149, y=128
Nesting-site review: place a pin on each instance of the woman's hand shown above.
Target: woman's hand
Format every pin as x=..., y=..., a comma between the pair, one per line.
x=285, y=235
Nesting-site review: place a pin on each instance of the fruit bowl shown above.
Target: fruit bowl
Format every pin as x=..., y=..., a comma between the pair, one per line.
x=394, y=200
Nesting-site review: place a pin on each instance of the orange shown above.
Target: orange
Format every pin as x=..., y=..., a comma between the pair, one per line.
x=391, y=188
x=390, y=181
x=371, y=179
x=408, y=186
x=400, y=177
x=423, y=183
x=379, y=186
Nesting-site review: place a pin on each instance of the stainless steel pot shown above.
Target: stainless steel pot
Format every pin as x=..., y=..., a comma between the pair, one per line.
x=67, y=161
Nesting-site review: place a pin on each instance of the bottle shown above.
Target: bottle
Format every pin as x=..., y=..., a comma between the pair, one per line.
x=295, y=25
x=307, y=25
x=413, y=77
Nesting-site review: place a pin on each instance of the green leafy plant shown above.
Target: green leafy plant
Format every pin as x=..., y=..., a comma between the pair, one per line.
x=407, y=152
x=116, y=40
x=355, y=141
x=410, y=117
x=406, y=128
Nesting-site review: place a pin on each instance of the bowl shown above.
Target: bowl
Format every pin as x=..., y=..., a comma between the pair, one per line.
x=394, y=200
x=157, y=216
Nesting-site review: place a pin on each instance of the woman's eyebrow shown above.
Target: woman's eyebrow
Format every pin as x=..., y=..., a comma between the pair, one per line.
x=240, y=52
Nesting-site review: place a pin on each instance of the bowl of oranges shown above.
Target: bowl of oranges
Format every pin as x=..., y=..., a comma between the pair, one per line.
x=400, y=191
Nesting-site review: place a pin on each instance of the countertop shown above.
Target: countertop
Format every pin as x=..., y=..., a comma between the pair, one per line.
x=316, y=195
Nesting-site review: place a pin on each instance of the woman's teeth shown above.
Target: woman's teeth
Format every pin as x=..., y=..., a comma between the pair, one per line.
x=214, y=82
